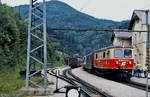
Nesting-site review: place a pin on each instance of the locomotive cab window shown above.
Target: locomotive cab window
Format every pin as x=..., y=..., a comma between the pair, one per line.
x=108, y=54
x=104, y=55
x=118, y=53
x=127, y=53
x=96, y=56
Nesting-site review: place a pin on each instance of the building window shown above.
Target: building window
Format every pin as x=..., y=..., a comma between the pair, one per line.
x=135, y=37
x=139, y=34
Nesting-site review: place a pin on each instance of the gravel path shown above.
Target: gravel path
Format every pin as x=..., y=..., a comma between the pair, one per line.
x=111, y=87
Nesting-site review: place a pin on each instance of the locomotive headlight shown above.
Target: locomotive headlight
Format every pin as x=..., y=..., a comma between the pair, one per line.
x=130, y=62
x=116, y=62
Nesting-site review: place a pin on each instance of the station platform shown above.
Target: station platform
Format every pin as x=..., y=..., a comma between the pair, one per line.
x=141, y=79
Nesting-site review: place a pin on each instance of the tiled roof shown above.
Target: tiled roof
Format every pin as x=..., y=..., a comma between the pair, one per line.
x=139, y=15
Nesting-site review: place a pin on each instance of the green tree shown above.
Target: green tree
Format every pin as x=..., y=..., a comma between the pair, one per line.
x=9, y=37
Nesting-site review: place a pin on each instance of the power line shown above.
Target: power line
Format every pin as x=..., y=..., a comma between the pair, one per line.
x=96, y=30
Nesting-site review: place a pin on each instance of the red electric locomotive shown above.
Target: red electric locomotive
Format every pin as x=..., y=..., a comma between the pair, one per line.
x=114, y=61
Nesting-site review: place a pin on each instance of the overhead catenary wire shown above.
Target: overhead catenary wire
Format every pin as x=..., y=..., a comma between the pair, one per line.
x=97, y=30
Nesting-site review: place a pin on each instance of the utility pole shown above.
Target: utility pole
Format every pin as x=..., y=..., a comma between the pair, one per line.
x=36, y=66
x=148, y=40
x=147, y=49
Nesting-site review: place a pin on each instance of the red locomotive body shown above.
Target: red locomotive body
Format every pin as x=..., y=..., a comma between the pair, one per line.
x=113, y=61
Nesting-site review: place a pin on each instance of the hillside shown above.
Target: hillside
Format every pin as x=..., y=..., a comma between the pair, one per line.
x=61, y=15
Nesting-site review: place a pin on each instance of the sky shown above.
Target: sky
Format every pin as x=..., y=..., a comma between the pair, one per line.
x=117, y=10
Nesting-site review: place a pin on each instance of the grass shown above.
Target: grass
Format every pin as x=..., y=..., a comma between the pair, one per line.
x=10, y=82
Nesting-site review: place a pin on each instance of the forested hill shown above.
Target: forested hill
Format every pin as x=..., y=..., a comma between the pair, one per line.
x=61, y=15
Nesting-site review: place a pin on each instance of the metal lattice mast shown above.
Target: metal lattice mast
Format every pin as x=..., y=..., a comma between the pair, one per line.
x=36, y=49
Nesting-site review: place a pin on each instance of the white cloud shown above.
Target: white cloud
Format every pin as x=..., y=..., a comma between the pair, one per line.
x=108, y=9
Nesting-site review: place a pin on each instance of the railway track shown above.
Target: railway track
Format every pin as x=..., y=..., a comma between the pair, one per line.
x=68, y=80
x=87, y=89
x=89, y=85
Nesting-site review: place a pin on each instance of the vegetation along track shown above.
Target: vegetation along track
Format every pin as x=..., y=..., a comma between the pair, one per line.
x=87, y=89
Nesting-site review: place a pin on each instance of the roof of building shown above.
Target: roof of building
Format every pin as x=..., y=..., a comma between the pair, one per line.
x=125, y=35
x=139, y=15
x=122, y=35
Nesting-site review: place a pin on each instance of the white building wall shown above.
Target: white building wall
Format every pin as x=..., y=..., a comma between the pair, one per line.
x=121, y=42
x=139, y=42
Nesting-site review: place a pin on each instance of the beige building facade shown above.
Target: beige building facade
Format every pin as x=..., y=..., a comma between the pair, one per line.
x=139, y=39
x=122, y=39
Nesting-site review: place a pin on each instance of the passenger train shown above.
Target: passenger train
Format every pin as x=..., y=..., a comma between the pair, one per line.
x=113, y=61
x=72, y=62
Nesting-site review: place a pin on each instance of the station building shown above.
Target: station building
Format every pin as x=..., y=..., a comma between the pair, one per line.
x=139, y=39
x=122, y=39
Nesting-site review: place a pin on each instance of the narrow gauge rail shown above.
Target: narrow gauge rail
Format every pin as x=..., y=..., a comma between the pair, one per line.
x=88, y=85
x=86, y=88
x=89, y=91
x=70, y=81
